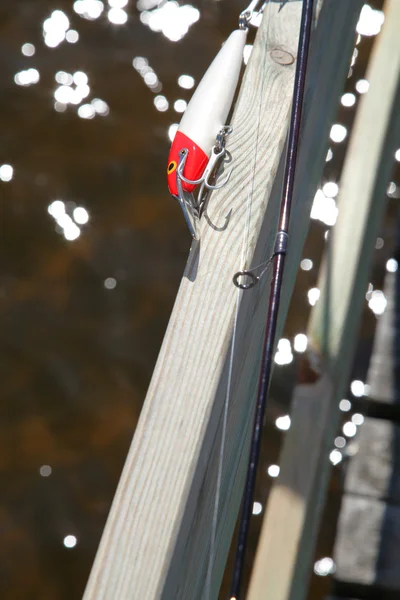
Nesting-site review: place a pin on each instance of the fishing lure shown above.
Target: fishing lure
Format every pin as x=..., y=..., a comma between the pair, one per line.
x=198, y=149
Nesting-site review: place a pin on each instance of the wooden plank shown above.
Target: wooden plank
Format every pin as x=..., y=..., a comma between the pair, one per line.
x=371, y=505
x=284, y=558
x=374, y=470
x=367, y=548
x=384, y=368
x=157, y=538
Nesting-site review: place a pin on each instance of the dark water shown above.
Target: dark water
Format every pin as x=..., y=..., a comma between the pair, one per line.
x=91, y=254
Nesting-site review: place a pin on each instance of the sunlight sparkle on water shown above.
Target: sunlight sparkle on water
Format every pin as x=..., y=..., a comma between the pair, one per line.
x=101, y=107
x=81, y=215
x=349, y=429
x=313, y=296
x=338, y=133
x=357, y=388
x=357, y=419
x=300, y=342
x=345, y=405
x=6, y=172
x=86, y=111
x=171, y=19
x=324, y=209
x=283, y=354
x=72, y=36
x=273, y=470
x=335, y=457
x=64, y=78
x=89, y=9
x=348, y=99
x=70, y=541
x=340, y=442
x=378, y=302
x=186, y=82
x=306, y=264
x=60, y=107
x=110, y=283
x=257, y=508
x=56, y=208
x=330, y=189
x=370, y=21
x=324, y=566
x=362, y=86
x=117, y=16
x=28, y=49
x=27, y=78
x=139, y=63
x=80, y=78
x=55, y=28
x=283, y=423
x=392, y=265
x=45, y=470
x=161, y=103
x=180, y=105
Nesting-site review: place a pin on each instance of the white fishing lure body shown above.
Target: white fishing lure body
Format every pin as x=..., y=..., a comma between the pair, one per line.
x=191, y=159
x=207, y=111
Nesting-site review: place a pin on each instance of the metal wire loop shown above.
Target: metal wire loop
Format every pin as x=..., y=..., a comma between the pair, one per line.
x=245, y=286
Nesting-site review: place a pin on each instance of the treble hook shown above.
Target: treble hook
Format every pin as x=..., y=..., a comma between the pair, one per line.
x=186, y=200
x=218, y=152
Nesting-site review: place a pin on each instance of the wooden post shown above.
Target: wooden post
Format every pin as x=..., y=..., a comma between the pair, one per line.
x=285, y=552
x=157, y=538
x=370, y=507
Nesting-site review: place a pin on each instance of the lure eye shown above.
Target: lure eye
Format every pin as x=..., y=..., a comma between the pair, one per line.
x=171, y=167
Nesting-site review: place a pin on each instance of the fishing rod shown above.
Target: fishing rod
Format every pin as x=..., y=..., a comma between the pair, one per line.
x=278, y=261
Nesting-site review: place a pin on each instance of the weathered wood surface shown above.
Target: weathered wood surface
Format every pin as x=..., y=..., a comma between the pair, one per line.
x=157, y=538
x=284, y=558
x=384, y=370
x=367, y=549
x=370, y=510
x=374, y=471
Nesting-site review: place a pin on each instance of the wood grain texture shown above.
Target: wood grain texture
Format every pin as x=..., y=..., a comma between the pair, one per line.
x=298, y=495
x=365, y=519
x=384, y=368
x=157, y=538
x=370, y=508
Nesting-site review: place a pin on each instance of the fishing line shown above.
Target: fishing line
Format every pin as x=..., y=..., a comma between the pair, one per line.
x=243, y=261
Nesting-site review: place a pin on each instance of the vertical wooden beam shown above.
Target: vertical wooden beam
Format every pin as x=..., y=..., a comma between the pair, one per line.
x=157, y=538
x=285, y=552
x=370, y=508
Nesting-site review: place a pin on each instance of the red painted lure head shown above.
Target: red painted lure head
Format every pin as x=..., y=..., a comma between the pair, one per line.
x=195, y=165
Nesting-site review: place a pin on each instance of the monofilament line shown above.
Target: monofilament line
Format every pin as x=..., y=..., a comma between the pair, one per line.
x=243, y=262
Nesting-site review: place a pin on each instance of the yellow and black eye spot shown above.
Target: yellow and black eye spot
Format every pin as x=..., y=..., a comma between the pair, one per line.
x=171, y=167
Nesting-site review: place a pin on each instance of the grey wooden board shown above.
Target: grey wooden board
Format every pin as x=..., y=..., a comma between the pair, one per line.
x=385, y=365
x=375, y=469
x=367, y=548
x=157, y=539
